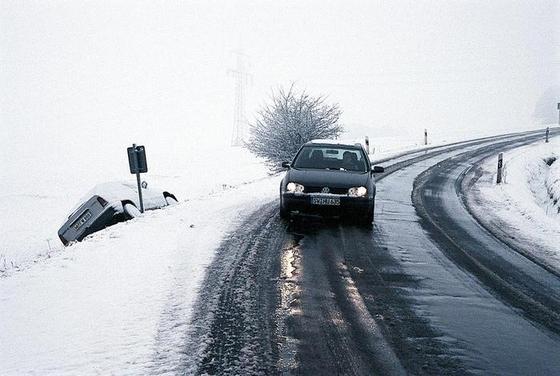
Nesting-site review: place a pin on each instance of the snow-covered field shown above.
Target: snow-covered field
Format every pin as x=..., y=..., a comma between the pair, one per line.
x=117, y=301
x=527, y=204
x=40, y=200
x=120, y=301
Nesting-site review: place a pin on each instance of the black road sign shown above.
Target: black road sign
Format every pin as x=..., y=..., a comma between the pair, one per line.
x=137, y=159
x=138, y=165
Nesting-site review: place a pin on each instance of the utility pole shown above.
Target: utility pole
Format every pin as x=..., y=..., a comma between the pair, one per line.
x=241, y=77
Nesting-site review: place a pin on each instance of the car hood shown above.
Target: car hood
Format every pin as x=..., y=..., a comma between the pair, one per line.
x=328, y=178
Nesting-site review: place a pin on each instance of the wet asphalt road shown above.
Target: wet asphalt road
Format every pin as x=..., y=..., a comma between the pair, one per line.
x=427, y=291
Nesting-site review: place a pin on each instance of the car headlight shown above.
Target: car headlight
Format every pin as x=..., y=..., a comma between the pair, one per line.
x=357, y=191
x=294, y=188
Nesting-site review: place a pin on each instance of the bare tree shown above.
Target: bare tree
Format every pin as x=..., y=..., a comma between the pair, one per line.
x=289, y=121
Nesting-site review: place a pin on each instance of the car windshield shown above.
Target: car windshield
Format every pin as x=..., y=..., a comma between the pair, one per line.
x=331, y=158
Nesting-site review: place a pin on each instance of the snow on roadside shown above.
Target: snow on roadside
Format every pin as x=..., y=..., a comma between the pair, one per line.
x=106, y=305
x=523, y=203
x=37, y=203
x=553, y=185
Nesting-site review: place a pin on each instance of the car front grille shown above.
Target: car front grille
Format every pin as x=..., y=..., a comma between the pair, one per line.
x=317, y=189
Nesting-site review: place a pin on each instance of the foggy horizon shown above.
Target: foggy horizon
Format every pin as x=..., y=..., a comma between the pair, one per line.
x=157, y=73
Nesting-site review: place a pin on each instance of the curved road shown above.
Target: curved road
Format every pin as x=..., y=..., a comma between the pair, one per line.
x=427, y=291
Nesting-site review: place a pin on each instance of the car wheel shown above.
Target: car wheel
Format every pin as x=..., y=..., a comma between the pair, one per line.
x=131, y=211
x=171, y=201
x=284, y=213
x=367, y=220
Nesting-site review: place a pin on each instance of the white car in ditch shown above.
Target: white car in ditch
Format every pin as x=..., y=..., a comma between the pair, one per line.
x=110, y=203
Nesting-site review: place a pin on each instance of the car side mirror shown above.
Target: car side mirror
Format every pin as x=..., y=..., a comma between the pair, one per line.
x=286, y=164
x=377, y=169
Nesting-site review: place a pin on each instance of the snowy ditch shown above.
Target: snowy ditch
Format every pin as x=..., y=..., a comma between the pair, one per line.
x=541, y=169
x=40, y=201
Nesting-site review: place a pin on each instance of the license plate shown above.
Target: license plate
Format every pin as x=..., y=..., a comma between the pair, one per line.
x=332, y=201
x=83, y=219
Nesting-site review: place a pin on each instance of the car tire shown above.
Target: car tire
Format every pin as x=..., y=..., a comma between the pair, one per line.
x=284, y=213
x=367, y=220
x=131, y=211
x=171, y=201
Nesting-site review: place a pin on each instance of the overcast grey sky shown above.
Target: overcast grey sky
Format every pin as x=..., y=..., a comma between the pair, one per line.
x=77, y=73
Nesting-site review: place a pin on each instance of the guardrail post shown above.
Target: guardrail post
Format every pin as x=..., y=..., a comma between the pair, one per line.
x=500, y=167
x=425, y=137
x=547, y=132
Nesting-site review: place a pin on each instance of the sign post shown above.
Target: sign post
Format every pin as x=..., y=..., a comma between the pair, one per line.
x=500, y=165
x=138, y=165
x=425, y=137
x=547, y=132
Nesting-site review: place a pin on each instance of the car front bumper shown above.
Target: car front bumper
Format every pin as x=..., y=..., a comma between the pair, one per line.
x=302, y=204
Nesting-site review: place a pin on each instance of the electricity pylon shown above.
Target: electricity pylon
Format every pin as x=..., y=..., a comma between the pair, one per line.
x=241, y=77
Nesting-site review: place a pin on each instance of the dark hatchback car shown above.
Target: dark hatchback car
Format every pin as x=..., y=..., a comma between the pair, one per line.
x=329, y=178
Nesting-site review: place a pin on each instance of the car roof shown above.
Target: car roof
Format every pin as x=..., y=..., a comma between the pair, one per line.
x=326, y=142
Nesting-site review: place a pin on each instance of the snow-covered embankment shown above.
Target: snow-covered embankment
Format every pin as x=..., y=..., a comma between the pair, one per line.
x=525, y=209
x=552, y=183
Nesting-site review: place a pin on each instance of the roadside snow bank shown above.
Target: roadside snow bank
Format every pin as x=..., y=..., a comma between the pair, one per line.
x=120, y=301
x=524, y=210
x=553, y=183
x=36, y=203
x=531, y=176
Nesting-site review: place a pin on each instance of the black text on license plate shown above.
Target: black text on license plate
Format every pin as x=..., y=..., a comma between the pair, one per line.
x=83, y=219
x=333, y=201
